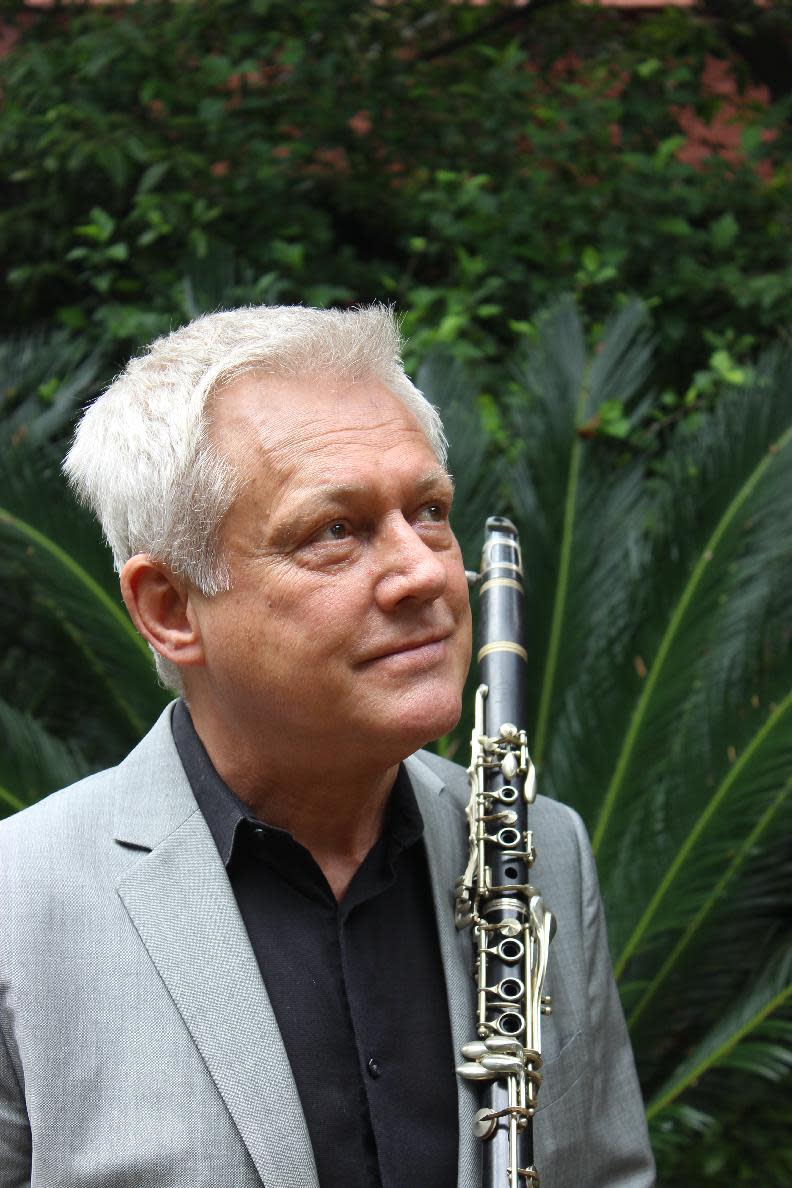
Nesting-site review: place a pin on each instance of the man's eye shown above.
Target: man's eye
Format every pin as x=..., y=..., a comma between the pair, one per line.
x=433, y=512
x=338, y=530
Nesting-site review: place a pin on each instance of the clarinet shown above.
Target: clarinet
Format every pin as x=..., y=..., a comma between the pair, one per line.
x=511, y=927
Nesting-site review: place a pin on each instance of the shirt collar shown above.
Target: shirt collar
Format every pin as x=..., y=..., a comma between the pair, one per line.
x=226, y=815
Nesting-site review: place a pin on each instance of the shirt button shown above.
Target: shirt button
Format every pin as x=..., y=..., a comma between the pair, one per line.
x=374, y=1067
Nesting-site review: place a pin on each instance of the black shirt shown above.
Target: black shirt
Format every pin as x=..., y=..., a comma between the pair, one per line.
x=357, y=987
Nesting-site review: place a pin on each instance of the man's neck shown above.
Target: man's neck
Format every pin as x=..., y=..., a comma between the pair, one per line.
x=330, y=804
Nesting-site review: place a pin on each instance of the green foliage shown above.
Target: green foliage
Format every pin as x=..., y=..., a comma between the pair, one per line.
x=169, y=158
x=32, y=760
x=660, y=692
x=74, y=660
x=661, y=700
x=43, y=378
x=568, y=495
x=72, y=666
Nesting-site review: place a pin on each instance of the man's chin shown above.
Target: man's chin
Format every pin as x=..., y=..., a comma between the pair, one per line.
x=422, y=726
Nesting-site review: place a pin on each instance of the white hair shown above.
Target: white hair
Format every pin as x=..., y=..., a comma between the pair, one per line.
x=142, y=457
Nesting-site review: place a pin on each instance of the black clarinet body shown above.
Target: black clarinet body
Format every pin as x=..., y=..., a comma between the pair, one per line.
x=495, y=896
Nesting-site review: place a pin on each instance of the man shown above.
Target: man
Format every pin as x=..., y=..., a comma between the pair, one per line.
x=231, y=960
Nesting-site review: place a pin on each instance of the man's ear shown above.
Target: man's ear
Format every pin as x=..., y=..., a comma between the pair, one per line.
x=160, y=608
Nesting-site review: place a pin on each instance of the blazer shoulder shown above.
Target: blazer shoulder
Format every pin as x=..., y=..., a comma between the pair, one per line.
x=76, y=802
x=146, y=787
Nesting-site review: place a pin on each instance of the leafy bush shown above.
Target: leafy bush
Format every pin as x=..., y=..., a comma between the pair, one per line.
x=469, y=164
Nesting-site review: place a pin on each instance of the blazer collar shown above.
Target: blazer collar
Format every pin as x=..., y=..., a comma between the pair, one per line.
x=152, y=793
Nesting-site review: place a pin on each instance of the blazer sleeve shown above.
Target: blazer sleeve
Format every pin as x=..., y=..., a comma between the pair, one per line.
x=619, y=1154
x=15, y=1145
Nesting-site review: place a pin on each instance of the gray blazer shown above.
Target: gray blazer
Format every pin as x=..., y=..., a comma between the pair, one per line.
x=125, y=970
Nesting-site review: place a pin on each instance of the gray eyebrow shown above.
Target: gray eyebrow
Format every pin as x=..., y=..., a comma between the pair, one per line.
x=343, y=490
x=430, y=480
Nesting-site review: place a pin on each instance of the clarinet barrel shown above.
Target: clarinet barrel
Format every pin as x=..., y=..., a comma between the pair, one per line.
x=495, y=897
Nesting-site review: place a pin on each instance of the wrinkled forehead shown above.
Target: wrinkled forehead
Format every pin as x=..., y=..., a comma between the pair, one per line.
x=260, y=415
x=308, y=443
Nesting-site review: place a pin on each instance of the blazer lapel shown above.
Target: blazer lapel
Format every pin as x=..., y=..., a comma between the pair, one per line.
x=445, y=837
x=180, y=901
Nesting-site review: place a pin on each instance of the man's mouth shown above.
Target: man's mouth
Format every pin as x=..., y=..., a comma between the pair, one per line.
x=420, y=643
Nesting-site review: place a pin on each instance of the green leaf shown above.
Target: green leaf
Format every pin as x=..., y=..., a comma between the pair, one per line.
x=117, y=251
x=152, y=176
x=667, y=149
x=100, y=228
x=770, y=990
x=648, y=68
x=726, y=369
x=590, y=259
x=724, y=231
x=674, y=225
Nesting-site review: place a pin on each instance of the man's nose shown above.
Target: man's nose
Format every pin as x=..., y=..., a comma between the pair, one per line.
x=408, y=568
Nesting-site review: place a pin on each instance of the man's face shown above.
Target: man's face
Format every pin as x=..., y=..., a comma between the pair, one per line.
x=348, y=623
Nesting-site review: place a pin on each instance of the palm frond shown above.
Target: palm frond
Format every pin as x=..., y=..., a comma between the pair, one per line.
x=52, y=549
x=44, y=376
x=713, y=744
x=665, y=704
x=712, y=753
x=476, y=479
x=714, y=894
x=32, y=761
x=752, y=783
x=746, y=1143
x=736, y=1039
x=678, y=1128
x=734, y=472
x=570, y=489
